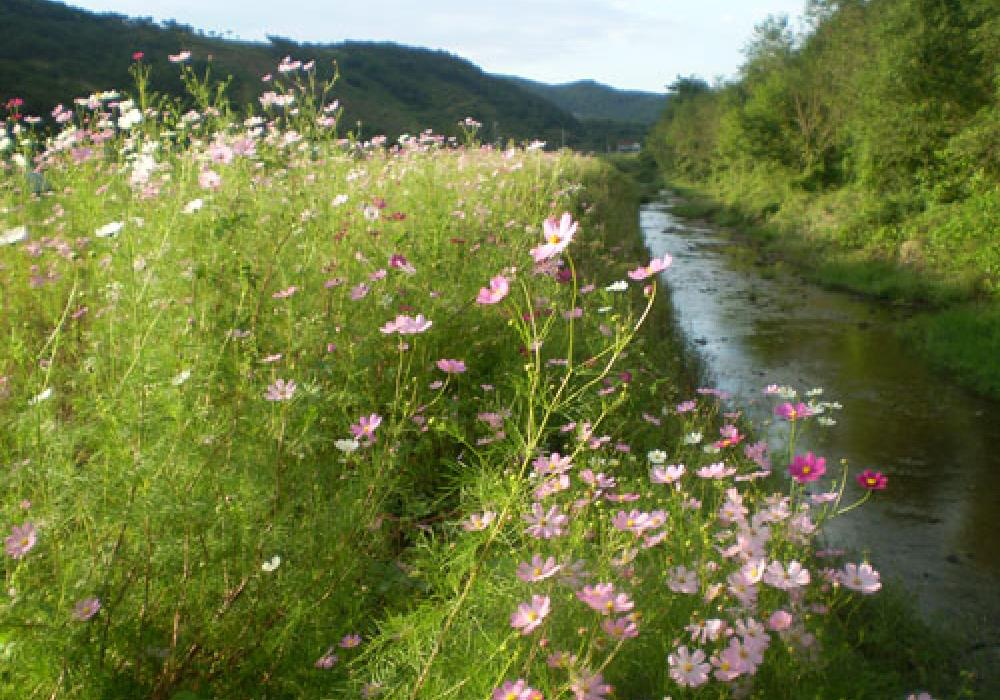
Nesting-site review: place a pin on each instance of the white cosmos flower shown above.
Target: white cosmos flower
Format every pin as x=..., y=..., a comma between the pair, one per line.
x=193, y=206
x=619, y=286
x=182, y=377
x=347, y=446
x=271, y=565
x=14, y=235
x=41, y=397
x=109, y=230
x=131, y=118
x=692, y=438
x=656, y=456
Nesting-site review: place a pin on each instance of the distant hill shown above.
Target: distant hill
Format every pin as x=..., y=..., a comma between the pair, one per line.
x=52, y=53
x=589, y=99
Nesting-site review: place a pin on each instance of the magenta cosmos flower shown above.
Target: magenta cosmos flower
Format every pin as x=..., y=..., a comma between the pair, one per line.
x=558, y=235
x=872, y=481
x=792, y=412
x=22, y=540
x=451, y=366
x=807, y=467
x=655, y=265
x=529, y=616
x=498, y=289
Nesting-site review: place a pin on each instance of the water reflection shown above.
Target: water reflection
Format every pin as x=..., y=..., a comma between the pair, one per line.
x=936, y=528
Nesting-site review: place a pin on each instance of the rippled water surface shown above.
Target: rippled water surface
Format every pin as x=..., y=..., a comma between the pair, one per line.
x=938, y=526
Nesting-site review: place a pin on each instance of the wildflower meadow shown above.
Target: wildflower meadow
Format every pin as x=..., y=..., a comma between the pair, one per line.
x=286, y=413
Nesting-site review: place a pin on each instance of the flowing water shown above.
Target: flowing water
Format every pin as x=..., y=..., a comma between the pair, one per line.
x=937, y=527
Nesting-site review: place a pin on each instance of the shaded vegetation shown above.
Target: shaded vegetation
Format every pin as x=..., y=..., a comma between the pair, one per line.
x=869, y=144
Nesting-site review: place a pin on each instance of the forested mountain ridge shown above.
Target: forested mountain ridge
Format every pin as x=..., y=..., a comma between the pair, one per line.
x=52, y=53
x=589, y=99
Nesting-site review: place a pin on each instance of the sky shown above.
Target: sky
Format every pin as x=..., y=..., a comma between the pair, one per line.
x=629, y=44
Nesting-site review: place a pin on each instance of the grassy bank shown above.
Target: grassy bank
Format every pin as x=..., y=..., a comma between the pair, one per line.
x=947, y=279
x=288, y=415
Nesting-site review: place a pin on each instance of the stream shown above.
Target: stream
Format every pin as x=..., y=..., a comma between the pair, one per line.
x=935, y=529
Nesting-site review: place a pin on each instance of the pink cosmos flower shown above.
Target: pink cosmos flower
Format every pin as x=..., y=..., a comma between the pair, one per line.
x=862, y=578
x=729, y=663
x=634, y=521
x=551, y=464
x=479, y=521
x=22, y=540
x=786, y=579
x=620, y=628
x=780, y=620
x=680, y=580
x=655, y=265
x=730, y=435
x=686, y=406
x=742, y=588
x=280, y=390
x=209, y=180
x=545, y=524
x=516, y=690
x=360, y=292
x=398, y=262
x=560, y=659
x=366, y=426
x=922, y=695
x=558, y=235
x=552, y=485
x=688, y=669
x=406, y=325
x=498, y=289
x=590, y=686
x=792, y=412
x=599, y=480
x=758, y=453
x=668, y=474
x=327, y=661
x=349, y=641
x=537, y=569
x=716, y=471
x=86, y=609
x=872, y=480
x=529, y=616
x=451, y=366
x=285, y=293
x=807, y=467
x=602, y=598
x=179, y=57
